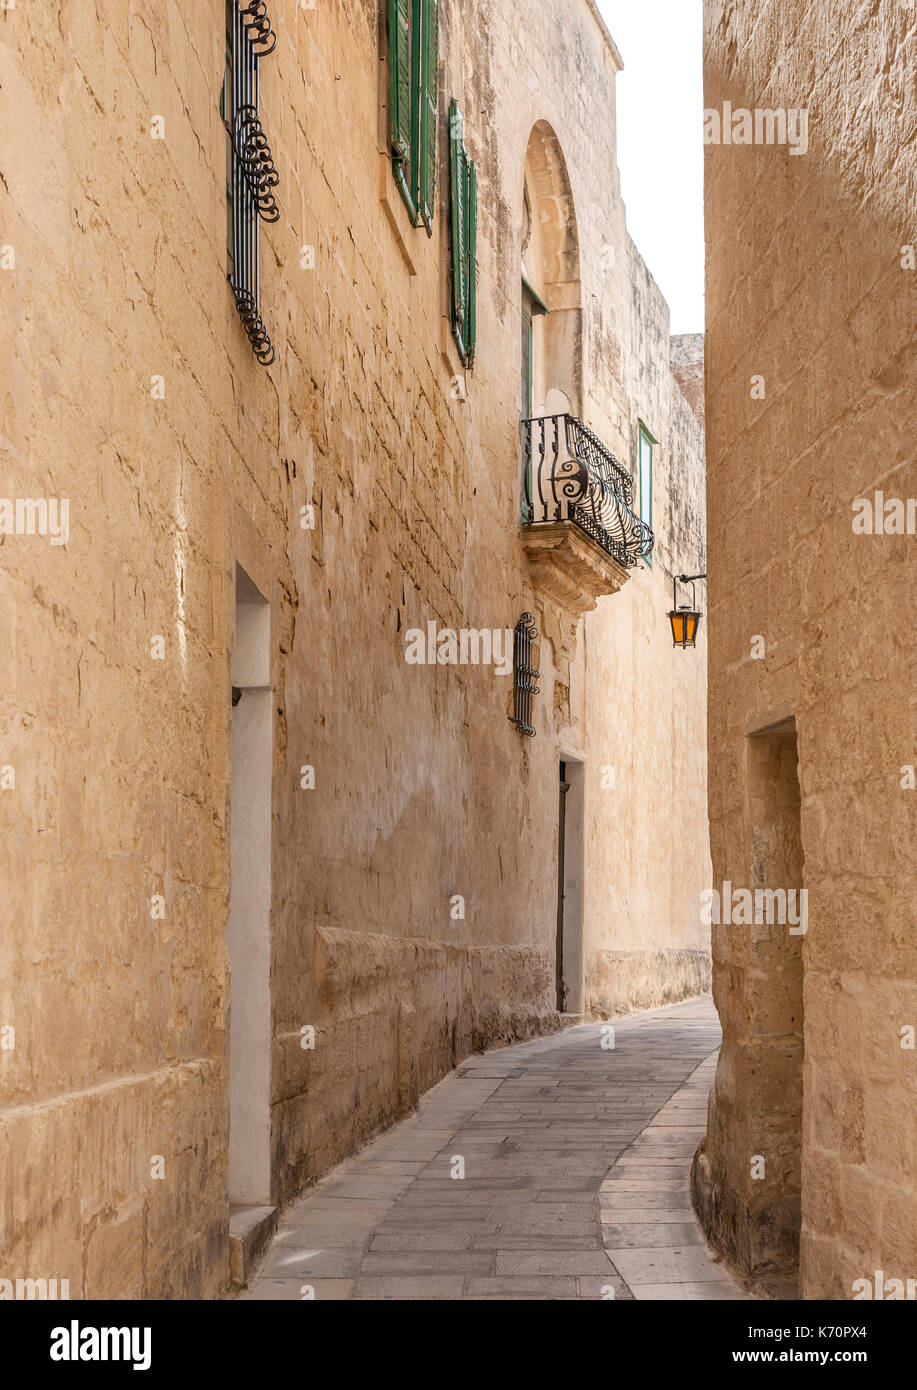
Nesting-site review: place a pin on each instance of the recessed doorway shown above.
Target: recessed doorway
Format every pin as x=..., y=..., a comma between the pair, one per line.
x=249, y=927
x=568, y=954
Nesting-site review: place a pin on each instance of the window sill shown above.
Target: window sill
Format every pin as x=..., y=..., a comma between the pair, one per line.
x=450, y=354
x=396, y=212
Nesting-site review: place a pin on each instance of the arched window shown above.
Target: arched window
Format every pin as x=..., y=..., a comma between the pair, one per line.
x=551, y=340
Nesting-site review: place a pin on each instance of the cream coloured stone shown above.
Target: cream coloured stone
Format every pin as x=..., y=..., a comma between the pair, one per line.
x=423, y=788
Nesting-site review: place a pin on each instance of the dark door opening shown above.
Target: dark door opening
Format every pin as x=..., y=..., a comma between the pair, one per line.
x=559, y=982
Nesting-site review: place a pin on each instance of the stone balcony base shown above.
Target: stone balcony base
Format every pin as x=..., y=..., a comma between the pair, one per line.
x=569, y=567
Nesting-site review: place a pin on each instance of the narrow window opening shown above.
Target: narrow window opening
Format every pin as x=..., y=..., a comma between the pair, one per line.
x=773, y=992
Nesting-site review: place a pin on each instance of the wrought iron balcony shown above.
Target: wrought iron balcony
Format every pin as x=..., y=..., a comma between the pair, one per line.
x=581, y=532
x=571, y=476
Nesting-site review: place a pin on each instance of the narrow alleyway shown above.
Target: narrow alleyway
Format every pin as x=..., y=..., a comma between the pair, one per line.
x=576, y=1160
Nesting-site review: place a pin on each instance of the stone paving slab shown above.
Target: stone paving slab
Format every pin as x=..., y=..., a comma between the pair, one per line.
x=685, y=1263
x=658, y=1256
x=427, y=1287
x=287, y=1290
x=645, y=1216
x=575, y=1183
x=711, y=1290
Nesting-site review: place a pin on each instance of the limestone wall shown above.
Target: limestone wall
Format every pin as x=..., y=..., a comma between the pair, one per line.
x=645, y=707
x=811, y=289
x=687, y=359
x=114, y=853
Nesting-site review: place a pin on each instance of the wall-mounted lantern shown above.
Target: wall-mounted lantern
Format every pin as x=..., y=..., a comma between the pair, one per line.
x=685, y=620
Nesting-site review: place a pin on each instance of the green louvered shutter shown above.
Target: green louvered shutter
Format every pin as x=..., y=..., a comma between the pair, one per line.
x=464, y=196
x=429, y=101
x=399, y=47
x=471, y=280
x=457, y=192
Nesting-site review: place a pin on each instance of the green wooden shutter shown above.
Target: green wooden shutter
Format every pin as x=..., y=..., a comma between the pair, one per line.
x=399, y=48
x=456, y=151
x=429, y=102
x=464, y=197
x=471, y=317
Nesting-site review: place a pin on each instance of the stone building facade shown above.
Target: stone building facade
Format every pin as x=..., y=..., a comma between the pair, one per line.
x=808, y=1175
x=265, y=879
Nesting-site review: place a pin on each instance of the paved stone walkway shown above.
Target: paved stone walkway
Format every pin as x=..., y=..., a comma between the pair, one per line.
x=576, y=1161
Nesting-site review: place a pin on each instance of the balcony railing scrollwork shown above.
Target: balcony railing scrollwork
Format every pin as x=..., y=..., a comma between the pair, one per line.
x=569, y=475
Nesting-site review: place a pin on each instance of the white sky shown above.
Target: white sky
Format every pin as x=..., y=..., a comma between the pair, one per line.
x=660, y=144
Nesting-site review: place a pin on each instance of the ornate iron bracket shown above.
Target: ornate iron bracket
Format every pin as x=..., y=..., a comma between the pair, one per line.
x=258, y=26
x=524, y=674
x=257, y=162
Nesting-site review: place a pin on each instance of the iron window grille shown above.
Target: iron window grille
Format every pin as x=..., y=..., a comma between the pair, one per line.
x=251, y=176
x=525, y=634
